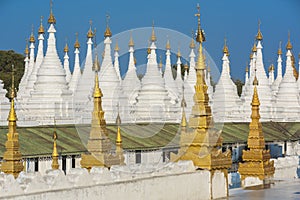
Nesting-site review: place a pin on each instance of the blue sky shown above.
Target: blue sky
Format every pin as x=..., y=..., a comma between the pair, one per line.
x=235, y=19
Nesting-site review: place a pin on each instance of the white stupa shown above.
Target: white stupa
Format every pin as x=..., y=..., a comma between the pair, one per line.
x=153, y=102
x=51, y=97
x=67, y=64
x=278, y=79
x=23, y=82
x=271, y=75
x=263, y=86
x=226, y=102
x=76, y=75
x=287, y=102
x=179, y=80
x=116, y=62
x=190, y=80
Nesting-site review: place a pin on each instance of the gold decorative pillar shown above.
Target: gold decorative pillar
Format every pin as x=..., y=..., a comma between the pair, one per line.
x=12, y=158
x=256, y=160
x=99, y=145
x=54, y=164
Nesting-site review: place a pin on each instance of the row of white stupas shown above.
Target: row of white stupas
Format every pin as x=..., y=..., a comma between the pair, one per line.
x=48, y=90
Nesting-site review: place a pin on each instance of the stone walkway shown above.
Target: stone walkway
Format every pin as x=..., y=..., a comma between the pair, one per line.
x=280, y=190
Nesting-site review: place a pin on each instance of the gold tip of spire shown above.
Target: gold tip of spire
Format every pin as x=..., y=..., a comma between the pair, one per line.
x=12, y=117
x=271, y=68
x=107, y=32
x=279, y=52
x=254, y=49
x=41, y=28
x=117, y=46
x=168, y=46
x=96, y=64
x=77, y=45
x=289, y=45
x=32, y=39
x=192, y=44
x=131, y=43
x=247, y=69
x=119, y=136
x=66, y=49
x=200, y=34
x=134, y=61
x=153, y=36
x=225, y=48
x=186, y=66
x=97, y=90
x=160, y=62
x=259, y=35
x=90, y=33
x=55, y=155
x=51, y=19
x=26, y=48
x=208, y=68
x=178, y=53
x=251, y=55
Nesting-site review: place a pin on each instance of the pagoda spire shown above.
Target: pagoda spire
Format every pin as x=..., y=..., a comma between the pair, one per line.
x=67, y=64
x=23, y=83
x=201, y=144
x=76, y=71
x=55, y=155
x=119, y=148
x=40, y=52
x=32, y=56
x=89, y=57
x=12, y=157
x=271, y=74
x=107, y=32
x=116, y=61
x=51, y=19
x=256, y=160
x=99, y=145
x=179, y=80
x=275, y=85
x=246, y=74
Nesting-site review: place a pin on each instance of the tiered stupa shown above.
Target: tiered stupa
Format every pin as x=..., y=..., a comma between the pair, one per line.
x=116, y=61
x=51, y=96
x=12, y=157
x=287, y=106
x=179, y=80
x=23, y=82
x=76, y=75
x=99, y=145
x=271, y=74
x=109, y=80
x=67, y=64
x=153, y=102
x=256, y=166
x=202, y=144
x=275, y=85
x=263, y=87
x=225, y=99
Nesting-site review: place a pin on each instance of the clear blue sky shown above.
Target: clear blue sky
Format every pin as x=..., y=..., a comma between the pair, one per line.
x=235, y=19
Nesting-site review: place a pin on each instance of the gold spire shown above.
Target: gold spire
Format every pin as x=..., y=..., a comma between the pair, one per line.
x=271, y=68
x=225, y=48
x=168, y=46
x=119, y=137
x=251, y=56
x=76, y=45
x=153, y=36
x=178, y=53
x=96, y=64
x=90, y=33
x=32, y=39
x=247, y=69
x=254, y=49
x=148, y=50
x=186, y=66
x=97, y=90
x=66, y=49
x=55, y=155
x=107, y=32
x=117, y=46
x=200, y=34
x=279, y=52
x=289, y=45
x=12, y=157
x=259, y=34
x=51, y=19
x=26, y=48
x=192, y=44
x=41, y=28
x=131, y=43
x=134, y=61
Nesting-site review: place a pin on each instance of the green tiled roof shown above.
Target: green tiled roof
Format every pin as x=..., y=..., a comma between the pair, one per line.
x=37, y=141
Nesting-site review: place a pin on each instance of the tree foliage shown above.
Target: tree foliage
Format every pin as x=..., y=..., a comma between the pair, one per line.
x=7, y=59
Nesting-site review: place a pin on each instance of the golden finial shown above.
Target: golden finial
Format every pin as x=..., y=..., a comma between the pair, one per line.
x=131, y=43
x=200, y=34
x=186, y=66
x=26, y=48
x=247, y=69
x=254, y=49
x=66, y=49
x=192, y=44
x=96, y=64
x=251, y=56
x=255, y=81
x=225, y=48
x=134, y=61
x=107, y=32
x=259, y=34
x=160, y=62
x=51, y=19
x=117, y=46
x=279, y=52
x=178, y=52
x=55, y=155
x=272, y=67
x=41, y=28
x=208, y=68
x=96, y=67
x=148, y=50
x=32, y=39
x=118, y=122
x=168, y=46
x=183, y=106
x=153, y=36
x=289, y=45
x=76, y=45
x=90, y=33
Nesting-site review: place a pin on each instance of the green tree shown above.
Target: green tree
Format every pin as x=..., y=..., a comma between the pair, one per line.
x=7, y=59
